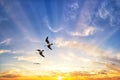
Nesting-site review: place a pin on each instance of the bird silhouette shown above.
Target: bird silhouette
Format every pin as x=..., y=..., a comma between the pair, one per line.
x=48, y=43
x=40, y=52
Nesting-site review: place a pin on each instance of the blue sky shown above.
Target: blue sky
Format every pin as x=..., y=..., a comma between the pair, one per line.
x=85, y=30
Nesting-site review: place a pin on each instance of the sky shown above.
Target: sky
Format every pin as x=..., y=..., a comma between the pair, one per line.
x=85, y=36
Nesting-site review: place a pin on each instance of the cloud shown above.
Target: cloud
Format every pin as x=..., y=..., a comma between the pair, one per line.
x=90, y=50
x=70, y=12
x=70, y=56
x=113, y=59
x=60, y=42
x=50, y=28
x=28, y=58
x=18, y=51
x=108, y=13
x=103, y=12
x=6, y=41
x=54, y=30
x=13, y=73
x=13, y=51
x=110, y=66
x=4, y=51
x=113, y=67
x=84, y=32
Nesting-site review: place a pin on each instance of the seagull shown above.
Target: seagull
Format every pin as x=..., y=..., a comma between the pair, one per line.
x=40, y=52
x=48, y=43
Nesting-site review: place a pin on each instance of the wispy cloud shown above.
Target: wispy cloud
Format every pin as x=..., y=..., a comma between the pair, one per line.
x=84, y=32
x=70, y=56
x=54, y=30
x=113, y=67
x=13, y=73
x=89, y=49
x=13, y=51
x=71, y=11
x=27, y=58
x=50, y=28
x=4, y=51
x=110, y=66
x=6, y=41
x=103, y=12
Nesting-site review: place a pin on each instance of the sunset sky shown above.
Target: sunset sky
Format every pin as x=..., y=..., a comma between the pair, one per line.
x=85, y=36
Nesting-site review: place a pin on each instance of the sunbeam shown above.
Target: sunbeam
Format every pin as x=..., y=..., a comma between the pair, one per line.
x=59, y=40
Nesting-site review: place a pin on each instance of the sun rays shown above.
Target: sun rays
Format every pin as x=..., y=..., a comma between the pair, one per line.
x=85, y=35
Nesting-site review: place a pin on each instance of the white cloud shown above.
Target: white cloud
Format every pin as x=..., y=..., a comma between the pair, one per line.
x=88, y=49
x=85, y=32
x=6, y=41
x=70, y=56
x=118, y=56
x=50, y=28
x=19, y=51
x=75, y=6
x=70, y=11
x=103, y=13
x=4, y=51
x=13, y=51
x=54, y=30
x=91, y=53
x=26, y=58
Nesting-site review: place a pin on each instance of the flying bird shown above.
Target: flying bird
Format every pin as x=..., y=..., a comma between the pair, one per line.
x=40, y=52
x=48, y=43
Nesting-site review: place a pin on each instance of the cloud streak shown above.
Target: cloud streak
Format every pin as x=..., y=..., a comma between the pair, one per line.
x=27, y=58
x=54, y=30
x=4, y=51
x=6, y=41
x=83, y=32
x=51, y=29
x=70, y=12
x=89, y=49
x=13, y=73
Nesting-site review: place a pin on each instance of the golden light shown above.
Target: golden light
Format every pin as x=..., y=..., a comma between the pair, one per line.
x=59, y=78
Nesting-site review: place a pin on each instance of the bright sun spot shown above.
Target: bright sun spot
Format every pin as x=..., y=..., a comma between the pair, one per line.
x=59, y=78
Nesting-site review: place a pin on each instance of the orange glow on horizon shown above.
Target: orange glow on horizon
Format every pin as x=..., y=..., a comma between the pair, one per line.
x=65, y=76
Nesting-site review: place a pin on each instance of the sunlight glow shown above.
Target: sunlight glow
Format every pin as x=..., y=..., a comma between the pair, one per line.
x=59, y=78
x=85, y=39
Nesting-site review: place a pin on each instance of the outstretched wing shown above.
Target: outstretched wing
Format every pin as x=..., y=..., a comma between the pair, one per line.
x=47, y=40
x=38, y=50
x=42, y=55
x=49, y=47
